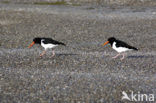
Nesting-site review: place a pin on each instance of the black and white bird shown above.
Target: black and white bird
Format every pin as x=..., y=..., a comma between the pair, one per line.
x=47, y=43
x=119, y=46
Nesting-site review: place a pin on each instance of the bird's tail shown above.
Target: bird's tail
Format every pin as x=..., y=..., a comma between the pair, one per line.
x=135, y=48
x=62, y=44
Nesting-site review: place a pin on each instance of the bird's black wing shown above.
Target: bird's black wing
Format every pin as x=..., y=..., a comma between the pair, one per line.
x=123, y=44
x=49, y=40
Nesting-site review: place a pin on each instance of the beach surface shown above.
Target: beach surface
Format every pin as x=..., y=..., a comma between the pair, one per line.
x=84, y=70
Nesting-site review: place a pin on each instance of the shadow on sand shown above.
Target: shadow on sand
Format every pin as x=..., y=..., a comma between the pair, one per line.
x=66, y=54
x=141, y=56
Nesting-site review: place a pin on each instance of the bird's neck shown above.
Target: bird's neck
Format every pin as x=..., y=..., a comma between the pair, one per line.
x=111, y=43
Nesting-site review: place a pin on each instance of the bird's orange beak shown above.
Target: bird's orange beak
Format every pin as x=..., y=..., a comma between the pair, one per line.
x=105, y=43
x=31, y=44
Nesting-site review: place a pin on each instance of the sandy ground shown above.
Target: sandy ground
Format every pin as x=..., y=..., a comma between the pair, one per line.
x=82, y=71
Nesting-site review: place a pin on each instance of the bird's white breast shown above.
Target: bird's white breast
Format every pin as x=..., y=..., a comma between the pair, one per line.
x=119, y=49
x=47, y=46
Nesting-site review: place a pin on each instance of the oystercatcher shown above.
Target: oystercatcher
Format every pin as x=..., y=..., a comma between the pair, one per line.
x=47, y=43
x=119, y=46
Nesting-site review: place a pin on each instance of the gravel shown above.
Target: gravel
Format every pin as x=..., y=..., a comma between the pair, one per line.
x=82, y=71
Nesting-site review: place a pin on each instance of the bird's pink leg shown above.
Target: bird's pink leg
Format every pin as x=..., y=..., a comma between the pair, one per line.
x=123, y=56
x=116, y=56
x=42, y=53
x=53, y=53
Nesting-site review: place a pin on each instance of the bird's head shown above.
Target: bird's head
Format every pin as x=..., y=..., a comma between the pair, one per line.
x=35, y=41
x=110, y=40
